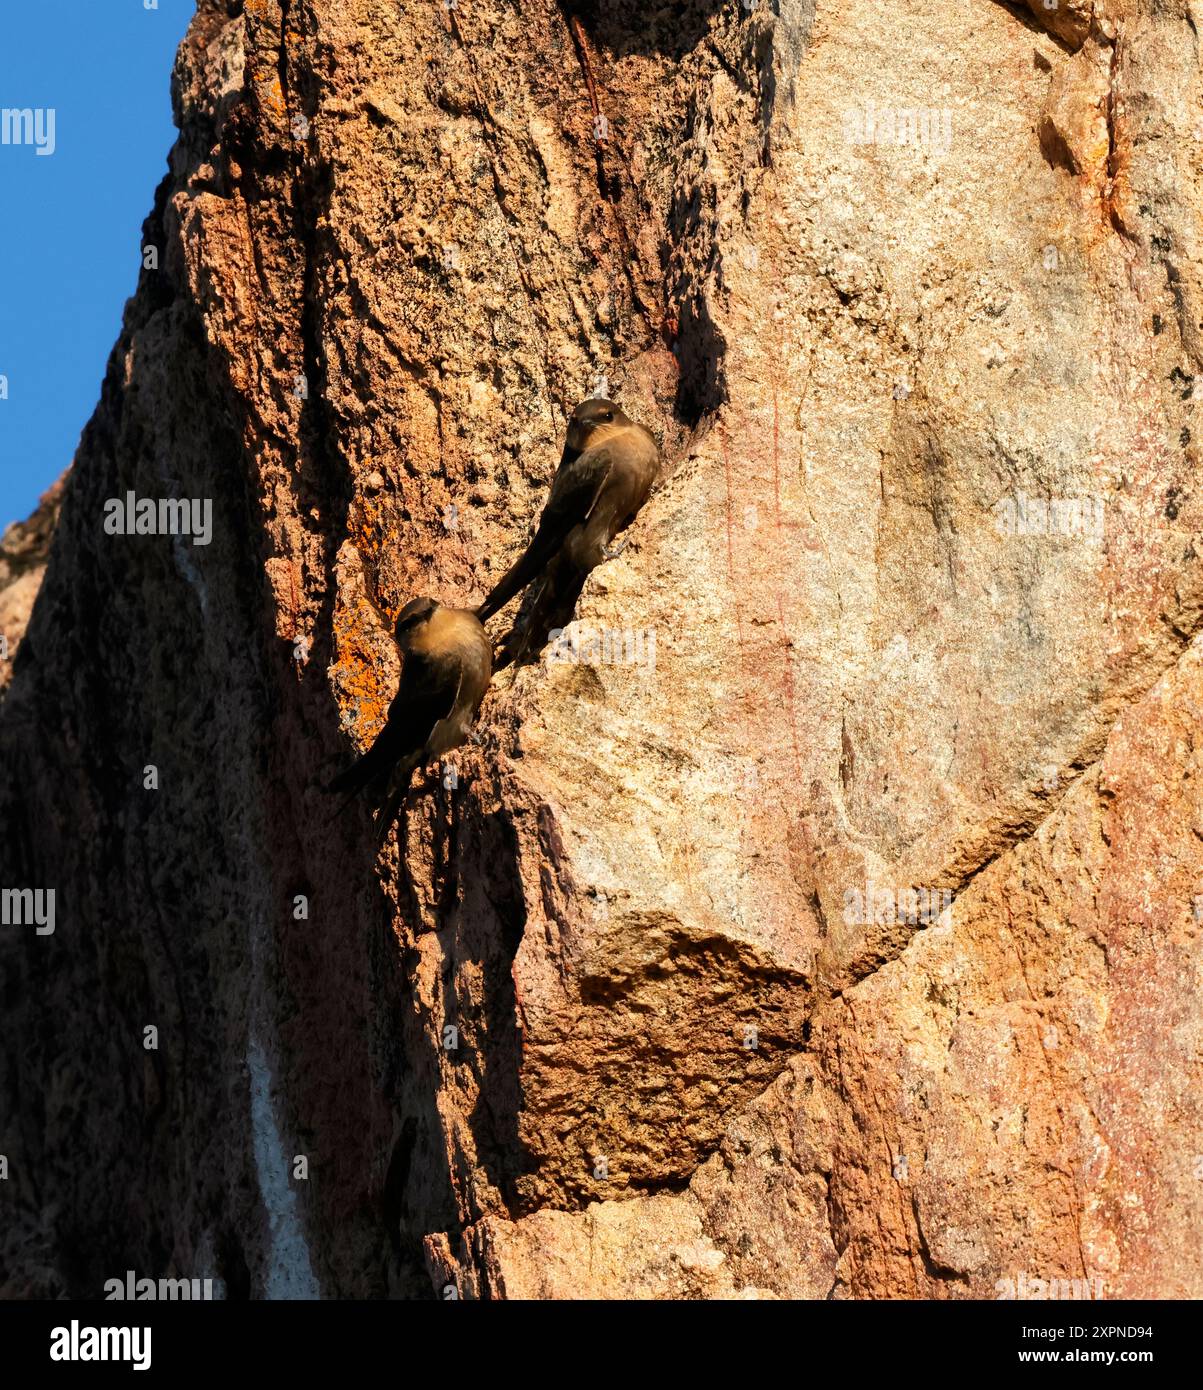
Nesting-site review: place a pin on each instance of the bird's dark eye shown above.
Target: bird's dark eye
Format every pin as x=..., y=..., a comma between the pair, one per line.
x=609, y=415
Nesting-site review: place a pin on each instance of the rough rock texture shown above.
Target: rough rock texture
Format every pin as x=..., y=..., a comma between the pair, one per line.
x=24, y=548
x=638, y=1006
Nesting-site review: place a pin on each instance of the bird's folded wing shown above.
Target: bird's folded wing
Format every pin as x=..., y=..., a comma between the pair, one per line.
x=430, y=684
x=574, y=494
x=575, y=490
x=426, y=694
x=422, y=711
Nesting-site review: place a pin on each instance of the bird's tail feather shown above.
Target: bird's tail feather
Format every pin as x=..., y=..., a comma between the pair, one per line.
x=353, y=788
x=353, y=779
x=341, y=808
x=518, y=576
x=391, y=806
x=360, y=776
x=551, y=605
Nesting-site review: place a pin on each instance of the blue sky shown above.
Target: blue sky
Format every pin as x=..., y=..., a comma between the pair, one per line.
x=70, y=223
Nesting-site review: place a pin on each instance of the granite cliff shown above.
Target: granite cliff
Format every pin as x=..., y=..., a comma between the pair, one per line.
x=842, y=936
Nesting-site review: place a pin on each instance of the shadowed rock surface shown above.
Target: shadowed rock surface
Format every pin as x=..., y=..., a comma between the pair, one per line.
x=643, y=1004
x=24, y=548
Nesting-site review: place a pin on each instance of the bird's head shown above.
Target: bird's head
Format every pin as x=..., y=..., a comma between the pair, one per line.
x=589, y=424
x=411, y=620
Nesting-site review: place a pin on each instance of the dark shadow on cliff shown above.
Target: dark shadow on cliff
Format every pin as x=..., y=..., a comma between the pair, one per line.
x=619, y=27
x=472, y=907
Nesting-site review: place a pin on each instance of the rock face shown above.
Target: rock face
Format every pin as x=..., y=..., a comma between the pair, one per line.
x=841, y=938
x=24, y=548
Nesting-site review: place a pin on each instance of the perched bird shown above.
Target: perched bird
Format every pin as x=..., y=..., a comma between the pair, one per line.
x=446, y=668
x=605, y=474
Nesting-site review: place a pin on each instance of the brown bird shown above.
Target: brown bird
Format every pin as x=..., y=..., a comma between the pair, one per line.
x=605, y=474
x=447, y=666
